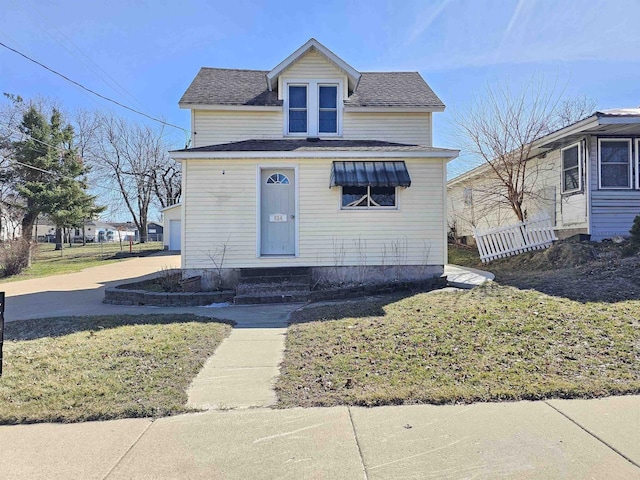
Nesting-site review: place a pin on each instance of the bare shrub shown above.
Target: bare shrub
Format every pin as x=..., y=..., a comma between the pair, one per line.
x=14, y=257
x=217, y=257
x=169, y=280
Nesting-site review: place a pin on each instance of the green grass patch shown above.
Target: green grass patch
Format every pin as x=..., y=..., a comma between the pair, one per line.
x=463, y=255
x=489, y=344
x=74, y=369
x=47, y=261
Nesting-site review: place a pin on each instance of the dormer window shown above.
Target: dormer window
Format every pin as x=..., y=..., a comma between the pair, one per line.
x=313, y=108
x=297, y=109
x=328, y=109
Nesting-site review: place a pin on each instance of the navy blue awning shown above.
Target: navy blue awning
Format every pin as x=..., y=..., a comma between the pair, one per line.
x=370, y=174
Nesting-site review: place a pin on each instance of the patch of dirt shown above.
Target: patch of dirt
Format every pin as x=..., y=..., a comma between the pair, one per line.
x=581, y=271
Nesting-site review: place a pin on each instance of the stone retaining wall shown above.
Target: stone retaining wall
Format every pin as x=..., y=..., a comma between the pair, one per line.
x=122, y=296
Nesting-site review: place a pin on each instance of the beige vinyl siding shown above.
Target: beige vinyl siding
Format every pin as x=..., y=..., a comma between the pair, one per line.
x=221, y=208
x=567, y=211
x=411, y=128
x=312, y=66
x=212, y=126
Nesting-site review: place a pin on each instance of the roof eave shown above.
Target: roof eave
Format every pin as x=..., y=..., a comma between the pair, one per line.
x=204, y=106
x=352, y=73
x=382, y=109
x=175, y=205
x=442, y=154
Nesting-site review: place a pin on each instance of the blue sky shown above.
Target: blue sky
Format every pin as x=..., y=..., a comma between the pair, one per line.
x=153, y=49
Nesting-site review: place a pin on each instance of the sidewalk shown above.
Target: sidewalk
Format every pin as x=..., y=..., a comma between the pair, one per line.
x=568, y=439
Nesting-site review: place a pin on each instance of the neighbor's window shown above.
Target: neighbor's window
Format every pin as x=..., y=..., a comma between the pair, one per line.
x=571, y=169
x=368, y=197
x=297, y=108
x=467, y=196
x=615, y=163
x=328, y=109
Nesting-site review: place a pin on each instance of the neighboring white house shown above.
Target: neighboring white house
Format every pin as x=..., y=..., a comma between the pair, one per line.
x=171, y=217
x=10, y=225
x=313, y=164
x=587, y=179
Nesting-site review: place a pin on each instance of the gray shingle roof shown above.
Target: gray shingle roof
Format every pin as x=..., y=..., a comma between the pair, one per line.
x=393, y=89
x=218, y=86
x=303, y=145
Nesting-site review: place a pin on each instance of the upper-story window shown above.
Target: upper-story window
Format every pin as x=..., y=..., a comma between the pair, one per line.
x=571, y=169
x=312, y=108
x=615, y=162
x=328, y=109
x=298, y=118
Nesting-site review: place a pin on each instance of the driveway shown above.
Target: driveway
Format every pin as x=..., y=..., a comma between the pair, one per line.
x=78, y=293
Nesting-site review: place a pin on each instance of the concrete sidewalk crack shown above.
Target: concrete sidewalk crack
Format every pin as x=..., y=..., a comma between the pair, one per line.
x=128, y=450
x=604, y=442
x=355, y=436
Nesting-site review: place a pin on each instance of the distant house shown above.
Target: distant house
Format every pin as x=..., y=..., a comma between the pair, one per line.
x=125, y=232
x=155, y=232
x=92, y=231
x=587, y=179
x=313, y=164
x=10, y=225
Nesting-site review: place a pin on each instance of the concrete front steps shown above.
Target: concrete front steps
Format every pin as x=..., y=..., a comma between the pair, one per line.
x=273, y=285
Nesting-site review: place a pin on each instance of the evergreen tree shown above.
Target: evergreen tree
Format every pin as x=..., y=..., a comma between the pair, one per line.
x=48, y=174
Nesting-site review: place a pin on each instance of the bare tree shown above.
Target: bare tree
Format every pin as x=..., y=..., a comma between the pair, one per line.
x=133, y=158
x=167, y=181
x=500, y=128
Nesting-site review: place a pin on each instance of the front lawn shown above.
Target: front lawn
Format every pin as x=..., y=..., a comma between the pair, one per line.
x=47, y=261
x=75, y=369
x=488, y=344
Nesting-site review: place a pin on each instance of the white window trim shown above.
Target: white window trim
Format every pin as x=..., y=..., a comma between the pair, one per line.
x=638, y=163
x=395, y=208
x=338, y=115
x=286, y=109
x=605, y=140
x=313, y=111
x=562, y=169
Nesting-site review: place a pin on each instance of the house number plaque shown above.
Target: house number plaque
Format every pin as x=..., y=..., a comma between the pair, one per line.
x=278, y=217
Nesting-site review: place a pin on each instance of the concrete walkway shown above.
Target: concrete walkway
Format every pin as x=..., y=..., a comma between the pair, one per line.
x=79, y=293
x=568, y=439
x=466, y=277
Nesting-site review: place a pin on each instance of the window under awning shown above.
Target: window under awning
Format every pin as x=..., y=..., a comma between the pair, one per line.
x=370, y=174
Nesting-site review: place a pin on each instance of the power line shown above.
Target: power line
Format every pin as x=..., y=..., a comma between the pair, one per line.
x=56, y=174
x=92, y=91
x=120, y=90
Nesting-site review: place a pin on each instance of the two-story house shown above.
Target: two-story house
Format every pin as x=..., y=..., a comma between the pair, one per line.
x=313, y=164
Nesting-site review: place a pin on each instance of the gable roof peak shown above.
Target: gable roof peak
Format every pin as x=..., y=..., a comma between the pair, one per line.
x=312, y=44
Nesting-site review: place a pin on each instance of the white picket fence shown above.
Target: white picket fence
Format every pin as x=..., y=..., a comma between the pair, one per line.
x=533, y=234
